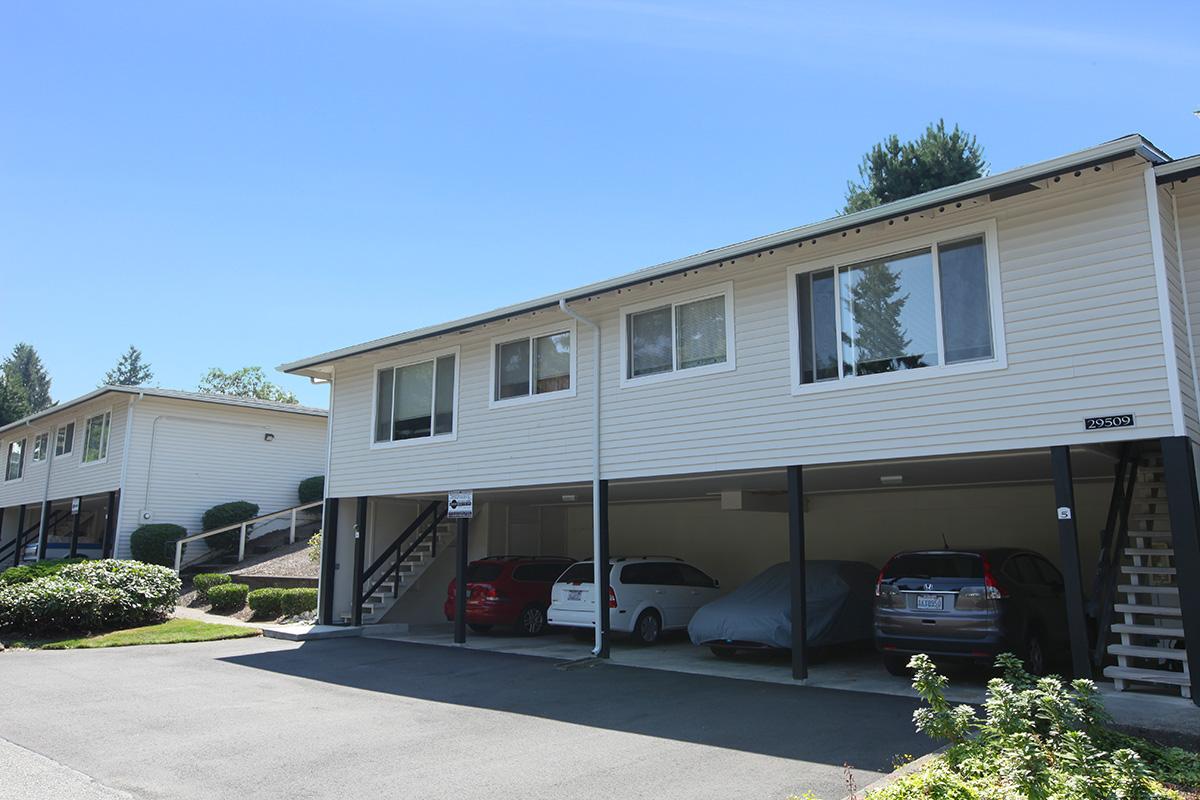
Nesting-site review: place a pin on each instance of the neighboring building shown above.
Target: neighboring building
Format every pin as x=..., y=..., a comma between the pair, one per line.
x=128, y=456
x=923, y=372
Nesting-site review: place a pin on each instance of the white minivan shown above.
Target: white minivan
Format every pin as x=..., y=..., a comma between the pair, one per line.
x=646, y=596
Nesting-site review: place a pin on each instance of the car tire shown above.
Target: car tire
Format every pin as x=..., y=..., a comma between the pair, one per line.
x=479, y=628
x=896, y=665
x=532, y=621
x=723, y=652
x=648, y=628
x=1035, y=654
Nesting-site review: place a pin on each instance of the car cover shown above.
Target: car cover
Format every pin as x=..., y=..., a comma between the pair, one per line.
x=840, y=604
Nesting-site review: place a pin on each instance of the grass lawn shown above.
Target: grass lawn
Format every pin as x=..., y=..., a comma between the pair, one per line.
x=173, y=631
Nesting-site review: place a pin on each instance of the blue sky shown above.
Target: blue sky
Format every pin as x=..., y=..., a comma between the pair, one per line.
x=235, y=183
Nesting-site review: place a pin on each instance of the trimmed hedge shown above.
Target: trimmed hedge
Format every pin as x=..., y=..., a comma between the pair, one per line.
x=228, y=596
x=312, y=489
x=204, y=581
x=266, y=602
x=39, y=569
x=297, y=601
x=227, y=514
x=90, y=596
x=155, y=544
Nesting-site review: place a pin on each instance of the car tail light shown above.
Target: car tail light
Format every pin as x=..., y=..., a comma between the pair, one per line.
x=992, y=589
x=612, y=598
x=879, y=578
x=450, y=589
x=488, y=592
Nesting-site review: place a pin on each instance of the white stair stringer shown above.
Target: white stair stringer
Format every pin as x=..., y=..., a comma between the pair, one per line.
x=389, y=593
x=1147, y=614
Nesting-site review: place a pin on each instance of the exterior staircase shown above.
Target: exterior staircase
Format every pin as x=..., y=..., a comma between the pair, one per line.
x=400, y=580
x=1147, y=618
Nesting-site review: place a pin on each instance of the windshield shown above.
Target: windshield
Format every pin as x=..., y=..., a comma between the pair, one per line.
x=482, y=571
x=578, y=573
x=935, y=565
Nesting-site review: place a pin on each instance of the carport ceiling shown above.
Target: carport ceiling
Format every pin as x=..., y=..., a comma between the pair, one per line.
x=993, y=469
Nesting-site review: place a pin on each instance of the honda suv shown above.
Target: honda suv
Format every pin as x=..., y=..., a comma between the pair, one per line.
x=646, y=596
x=970, y=604
x=508, y=590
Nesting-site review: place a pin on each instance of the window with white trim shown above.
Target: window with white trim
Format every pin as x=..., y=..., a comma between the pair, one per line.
x=537, y=365
x=928, y=306
x=41, y=446
x=690, y=333
x=14, y=465
x=95, y=437
x=415, y=400
x=64, y=439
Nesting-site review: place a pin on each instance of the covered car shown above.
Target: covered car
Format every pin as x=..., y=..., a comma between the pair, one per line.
x=758, y=614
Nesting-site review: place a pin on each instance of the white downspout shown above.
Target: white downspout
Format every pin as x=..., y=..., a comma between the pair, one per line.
x=601, y=602
x=124, y=473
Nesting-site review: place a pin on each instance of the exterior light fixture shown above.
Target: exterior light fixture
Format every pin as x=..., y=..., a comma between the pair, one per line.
x=568, y=498
x=891, y=480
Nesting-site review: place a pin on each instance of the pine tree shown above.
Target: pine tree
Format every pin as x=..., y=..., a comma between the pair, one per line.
x=875, y=307
x=131, y=370
x=24, y=368
x=13, y=403
x=245, y=382
x=894, y=170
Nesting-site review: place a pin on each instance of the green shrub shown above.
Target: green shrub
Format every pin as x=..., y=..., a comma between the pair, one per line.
x=152, y=590
x=39, y=569
x=1038, y=738
x=314, y=548
x=90, y=596
x=312, y=489
x=206, y=580
x=155, y=544
x=297, y=601
x=228, y=596
x=266, y=602
x=227, y=514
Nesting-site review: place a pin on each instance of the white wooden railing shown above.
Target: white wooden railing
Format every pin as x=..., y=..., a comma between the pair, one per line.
x=241, y=527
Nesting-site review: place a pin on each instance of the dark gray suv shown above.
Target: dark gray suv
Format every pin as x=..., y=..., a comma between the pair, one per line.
x=970, y=604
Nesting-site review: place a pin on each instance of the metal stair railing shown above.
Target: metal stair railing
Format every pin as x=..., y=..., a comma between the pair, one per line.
x=1113, y=540
x=242, y=527
x=438, y=513
x=26, y=537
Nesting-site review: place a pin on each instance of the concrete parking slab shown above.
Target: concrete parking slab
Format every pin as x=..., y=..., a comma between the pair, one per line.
x=369, y=718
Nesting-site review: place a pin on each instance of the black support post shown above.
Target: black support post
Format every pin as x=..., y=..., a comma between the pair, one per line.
x=20, y=531
x=110, y=527
x=75, y=528
x=1068, y=543
x=44, y=525
x=360, y=542
x=605, y=572
x=1183, y=506
x=329, y=527
x=460, y=582
x=799, y=581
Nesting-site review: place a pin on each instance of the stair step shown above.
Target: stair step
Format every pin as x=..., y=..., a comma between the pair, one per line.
x=1157, y=516
x=1150, y=535
x=1154, y=611
x=1135, y=570
x=1134, y=651
x=1148, y=675
x=1160, y=631
x=1149, y=551
x=1129, y=588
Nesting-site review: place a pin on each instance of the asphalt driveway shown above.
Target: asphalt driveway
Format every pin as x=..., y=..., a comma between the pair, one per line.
x=377, y=719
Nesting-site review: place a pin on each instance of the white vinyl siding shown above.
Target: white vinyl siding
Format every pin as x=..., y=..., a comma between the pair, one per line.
x=1080, y=326
x=1182, y=247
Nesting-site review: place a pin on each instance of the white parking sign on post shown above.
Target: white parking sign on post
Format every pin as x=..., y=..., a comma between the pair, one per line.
x=461, y=504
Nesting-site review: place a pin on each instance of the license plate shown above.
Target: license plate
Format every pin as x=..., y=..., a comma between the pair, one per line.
x=930, y=602
x=574, y=594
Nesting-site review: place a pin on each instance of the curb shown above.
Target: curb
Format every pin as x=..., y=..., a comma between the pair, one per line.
x=915, y=765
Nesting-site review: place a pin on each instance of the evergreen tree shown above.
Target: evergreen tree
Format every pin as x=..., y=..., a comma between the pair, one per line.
x=893, y=170
x=246, y=382
x=24, y=368
x=131, y=370
x=13, y=403
x=875, y=307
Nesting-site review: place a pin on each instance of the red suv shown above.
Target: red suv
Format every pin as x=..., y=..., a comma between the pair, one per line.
x=509, y=590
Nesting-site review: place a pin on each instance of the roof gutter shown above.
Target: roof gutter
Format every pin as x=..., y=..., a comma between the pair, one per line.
x=601, y=602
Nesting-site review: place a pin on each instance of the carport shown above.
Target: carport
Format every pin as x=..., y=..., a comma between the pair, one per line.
x=1068, y=504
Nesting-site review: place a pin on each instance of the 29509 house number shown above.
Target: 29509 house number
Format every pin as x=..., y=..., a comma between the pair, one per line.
x=1110, y=421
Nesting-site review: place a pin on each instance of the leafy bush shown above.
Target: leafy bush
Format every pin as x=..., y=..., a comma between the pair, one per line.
x=297, y=601
x=90, y=596
x=266, y=602
x=39, y=569
x=314, y=548
x=227, y=514
x=1038, y=738
x=228, y=596
x=155, y=544
x=204, y=581
x=312, y=489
